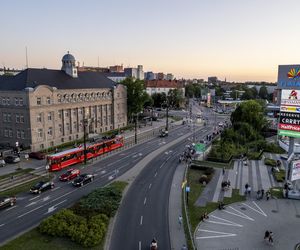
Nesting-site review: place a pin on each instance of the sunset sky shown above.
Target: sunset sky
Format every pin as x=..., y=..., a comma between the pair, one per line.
x=237, y=39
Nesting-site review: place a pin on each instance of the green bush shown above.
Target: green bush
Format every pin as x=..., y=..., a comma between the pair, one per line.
x=279, y=176
x=270, y=162
x=104, y=200
x=273, y=148
x=254, y=155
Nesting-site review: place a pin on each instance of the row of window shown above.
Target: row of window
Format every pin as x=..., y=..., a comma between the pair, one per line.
x=8, y=132
x=5, y=101
x=7, y=117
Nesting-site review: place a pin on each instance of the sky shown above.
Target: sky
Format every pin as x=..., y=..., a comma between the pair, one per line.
x=240, y=40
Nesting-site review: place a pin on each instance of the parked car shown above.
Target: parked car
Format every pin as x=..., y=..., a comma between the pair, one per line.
x=83, y=179
x=70, y=174
x=12, y=159
x=2, y=163
x=41, y=186
x=7, y=201
x=37, y=155
x=164, y=133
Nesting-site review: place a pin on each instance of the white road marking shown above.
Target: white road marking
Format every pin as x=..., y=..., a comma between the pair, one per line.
x=2, y=225
x=150, y=185
x=30, y=204
x=140, y=154
x=55, y=189
x=155, y=174
x=46, y=198
x=259, y=210
x=110, y=177
x=40, y=167
x=103, y=172
x=34, y=198
x=239, y=214
x=221, y=234
x=29, y=211
x=11, y=208
x=140, y=245
x=225, y=222
x=145, y=200
x=141, y=221
x=51, y=209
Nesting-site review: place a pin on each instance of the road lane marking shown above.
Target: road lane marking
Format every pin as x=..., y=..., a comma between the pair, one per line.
x=2, y=225
x=46, y=198
x=259, y=210
x=150, y=185
x=145, y=200
x=55, y=189
x=30, y=211
x=34, y=198
x=155, y=174
x=140, y=245
x=54, y=207
x=141, y=221
x=239, y=214
x=40, y=167
x=30, y=204
x=11, y=208
x=221, y=234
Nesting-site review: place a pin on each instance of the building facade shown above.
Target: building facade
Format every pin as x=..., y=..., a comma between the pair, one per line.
x=164, y=86
x=41, y=108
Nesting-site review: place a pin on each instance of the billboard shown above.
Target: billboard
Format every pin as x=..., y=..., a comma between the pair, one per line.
x=295, y=171
x=290, y=97
x=289, y=124
x=288, y=77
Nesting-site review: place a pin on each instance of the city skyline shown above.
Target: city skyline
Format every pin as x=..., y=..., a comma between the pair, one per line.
x=232, y=40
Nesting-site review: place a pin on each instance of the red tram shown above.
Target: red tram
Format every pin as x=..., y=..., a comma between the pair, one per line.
x=73, y=156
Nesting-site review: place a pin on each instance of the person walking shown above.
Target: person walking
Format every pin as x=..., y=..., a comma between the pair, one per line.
x=180, y=220
x=223, y=170
x=262, y=193
x=267, y=234
x=268, y=195
x=271, y=237
x=246, y=188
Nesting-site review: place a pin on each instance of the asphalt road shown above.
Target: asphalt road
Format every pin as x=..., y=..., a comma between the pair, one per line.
x=31, y=209
x=143, y=214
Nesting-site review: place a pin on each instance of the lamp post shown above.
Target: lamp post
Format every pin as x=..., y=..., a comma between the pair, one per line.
x=167, y=114
x=135, y=129
x=85, y=122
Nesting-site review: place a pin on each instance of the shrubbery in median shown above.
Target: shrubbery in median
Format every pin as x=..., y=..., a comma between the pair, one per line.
x=87, y=221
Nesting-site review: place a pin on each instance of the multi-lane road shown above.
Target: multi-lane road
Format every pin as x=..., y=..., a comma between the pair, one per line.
x=31, y=209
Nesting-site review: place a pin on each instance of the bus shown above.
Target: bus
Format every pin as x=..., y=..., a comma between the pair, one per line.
x=69, y=157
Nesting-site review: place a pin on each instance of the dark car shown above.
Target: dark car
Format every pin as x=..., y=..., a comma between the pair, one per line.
x=70, y=174
x=12, y=159
x=7, y=201
x=83, y=179
x=163, y=133
x=37, y=155
x=41, y=186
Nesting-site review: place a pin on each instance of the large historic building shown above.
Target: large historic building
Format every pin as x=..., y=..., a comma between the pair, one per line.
x=43, y=108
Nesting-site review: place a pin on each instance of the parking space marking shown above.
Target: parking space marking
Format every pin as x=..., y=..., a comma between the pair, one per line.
x=259, y=210
x=221, y=234
x=239, y=213
x=225, y=222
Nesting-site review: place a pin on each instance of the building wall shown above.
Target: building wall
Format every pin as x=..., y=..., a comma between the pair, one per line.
x=55, y=116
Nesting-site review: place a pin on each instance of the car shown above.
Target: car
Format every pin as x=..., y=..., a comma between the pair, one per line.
x=83, y=179
x=12, y=159
x=163, y=133
x=70, y=174
x=2, y=163
x=41, y=186
x=7, y=201
x=37, y=155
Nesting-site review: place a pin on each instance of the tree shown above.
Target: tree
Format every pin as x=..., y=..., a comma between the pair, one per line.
x=250, y=112
x=263, y=92
x=190, y=90
x=159, y=99
x=175, y=98
x=136, y=96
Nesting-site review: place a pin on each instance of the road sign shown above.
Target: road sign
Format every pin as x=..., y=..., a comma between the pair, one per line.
x=200, y=147
x=187, y=189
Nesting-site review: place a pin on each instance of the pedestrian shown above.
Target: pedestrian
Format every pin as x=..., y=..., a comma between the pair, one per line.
x=258, y=195
x=271, y=237
x=268, y=195
x=180, y=220
x=249, y=190
x=183, y=247
x=262, y=193
x=206, y=216
x=246, y=188
x=223, y=170
x=267, y=234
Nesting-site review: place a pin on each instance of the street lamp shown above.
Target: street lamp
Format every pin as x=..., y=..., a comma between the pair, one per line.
x=85, y=122
x=135, y=129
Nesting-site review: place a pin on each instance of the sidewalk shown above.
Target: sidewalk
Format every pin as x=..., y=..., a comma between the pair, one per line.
x=177, y=235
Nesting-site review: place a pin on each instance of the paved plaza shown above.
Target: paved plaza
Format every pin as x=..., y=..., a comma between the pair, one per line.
x=241, y=226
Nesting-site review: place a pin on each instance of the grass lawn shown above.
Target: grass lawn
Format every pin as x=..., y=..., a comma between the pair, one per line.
x=17, y=173
x=33, y=240
x=23, y=188
x=196, y=190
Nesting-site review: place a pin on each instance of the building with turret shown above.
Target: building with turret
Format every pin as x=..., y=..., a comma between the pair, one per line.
x=41, y=108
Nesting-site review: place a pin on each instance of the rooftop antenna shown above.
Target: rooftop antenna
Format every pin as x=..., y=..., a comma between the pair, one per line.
x=26, y=58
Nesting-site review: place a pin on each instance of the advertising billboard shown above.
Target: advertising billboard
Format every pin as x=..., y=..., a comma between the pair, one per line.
x=290, y=97
x=208, y=100
x=295, y=171
x=288, y=77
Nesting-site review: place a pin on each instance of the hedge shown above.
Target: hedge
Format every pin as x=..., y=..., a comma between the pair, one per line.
x=270, y=162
